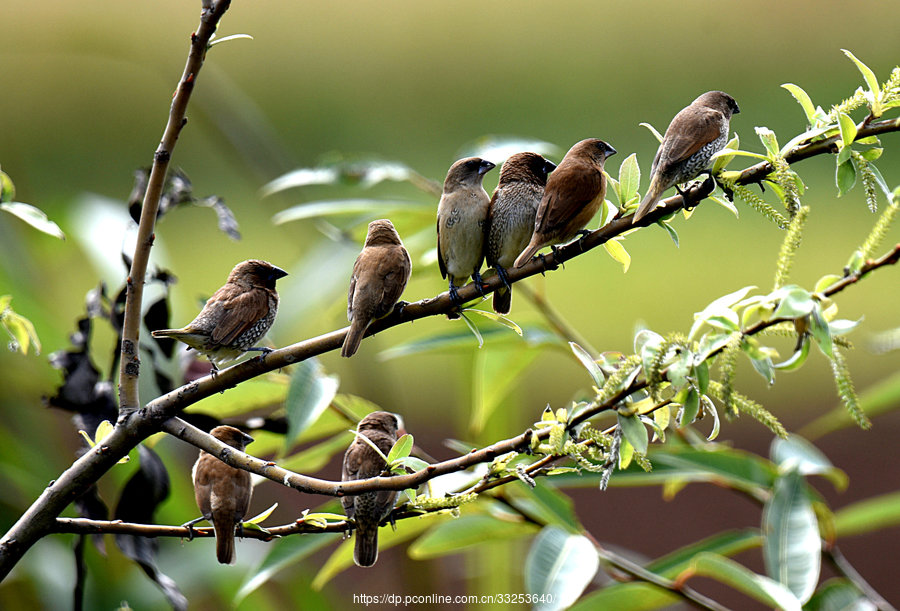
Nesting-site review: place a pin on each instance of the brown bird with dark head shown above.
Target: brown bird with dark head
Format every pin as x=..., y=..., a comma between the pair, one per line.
x=367, y=510
x=695, y=134
x=461, y=216
x=379, y=277
x=237, y=315
x=513, y=208
x=222, y=492
x=574, y=193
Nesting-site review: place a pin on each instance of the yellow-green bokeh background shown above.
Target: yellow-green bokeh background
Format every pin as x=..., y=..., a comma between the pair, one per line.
x=85, y=87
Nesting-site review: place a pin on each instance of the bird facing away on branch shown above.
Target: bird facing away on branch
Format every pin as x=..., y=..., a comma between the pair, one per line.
x=367, y=510
x=695, y=134
x=574, y=192
x=237, y=315
x=379, y=277
x=511, y=215
x=222, y=492
x=461, y=217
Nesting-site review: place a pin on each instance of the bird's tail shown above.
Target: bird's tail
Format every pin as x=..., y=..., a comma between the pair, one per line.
x=224, y=540
x=502, y=300
x=650, y=200
x=529, y=252
x=354, y=337
x=365, y=552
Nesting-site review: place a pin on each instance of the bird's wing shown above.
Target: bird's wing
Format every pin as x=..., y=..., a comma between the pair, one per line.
x=352, y=291
x=441, y=264
x=574, y=190
x=394, y=271
x=242, y=309
x=689, y=136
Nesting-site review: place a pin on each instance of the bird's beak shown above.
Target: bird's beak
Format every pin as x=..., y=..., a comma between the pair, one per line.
x=485, y=167
x=611, y=150
x=247, y=439
x=277, y=273
x=549, y=166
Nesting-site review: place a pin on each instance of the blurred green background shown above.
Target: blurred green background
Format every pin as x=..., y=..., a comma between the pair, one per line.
x=85, y=93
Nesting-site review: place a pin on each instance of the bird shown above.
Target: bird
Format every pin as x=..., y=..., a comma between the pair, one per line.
x=222, y=492
x=574, y=192
x=237, y=316
x=695, y=134
x=461, y=217
x=511, y=215
x=379, y=276
x=368, y=509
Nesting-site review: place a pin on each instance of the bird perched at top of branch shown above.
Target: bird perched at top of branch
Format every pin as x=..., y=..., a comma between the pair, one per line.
x=237, y=315
x=461, y=215
x=379, y=277
x=222, y=492
x=574, y=193
x=367, y=510
x=513, y=208
x=695, y=134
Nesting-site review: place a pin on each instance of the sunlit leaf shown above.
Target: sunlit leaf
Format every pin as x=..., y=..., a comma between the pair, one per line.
x=498, y=148
x=759, y=587
x=629, y=178
x=401, y=448
x=845, y=176
x=473, y=329
x=373, y=207
x=589, y=363
x=260, y=517
x=635, y=432
x=617, y=251
x=868, y=515
x=217, y=41
x=848, y=129
x=769, y=140
x=656, y=134
x=559, y=565
x=804, y=100
x=35, y=217
x=868, y=75
x=310, y=393
x=792, y=547
x=499, y=318
x=797, y=453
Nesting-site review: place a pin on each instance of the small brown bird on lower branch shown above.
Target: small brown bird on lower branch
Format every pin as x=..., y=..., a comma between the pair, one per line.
x=237, y=315
x=573, y=195
x=367, y=510
x=222, y=492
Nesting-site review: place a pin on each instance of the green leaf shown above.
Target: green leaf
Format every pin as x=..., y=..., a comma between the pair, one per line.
x=804, y=100
x=797, y=453
x=7, y=188
x=545, y=504
x=797, y=359
x=845, y=176
x=371, y=207
x=691, y=408
x=848, y=129
x=792, y=547
x=261, y=517
x=217, y=41
x=869, y=515
x=723, y=158
x=729, y=572
x=416, y=464
x=473, y=329
x=559, y=565
x=867, y=73
x=769, y=140
x=589, y=363
x=500, y=318
x=257, y=393
x=656, y=134
x=316, y=457
x=629, y=179
x=281, y=553
x=821, y=332
x=309, y=394
x=838, y=595
x=534, y=337
x=721, y=307
x=19, y=328
x=401, y=448
x=635, y=432
x=670, y=230
x=615, y=250
x=33, y=216
x=794, y=303
x=465, y=532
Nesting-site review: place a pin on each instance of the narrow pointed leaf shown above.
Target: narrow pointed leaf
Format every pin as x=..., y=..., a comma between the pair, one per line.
x=559, y=565
x=35, y=217
x=729, y=572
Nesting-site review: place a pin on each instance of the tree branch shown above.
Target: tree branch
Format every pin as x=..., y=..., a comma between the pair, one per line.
x=130, y=362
